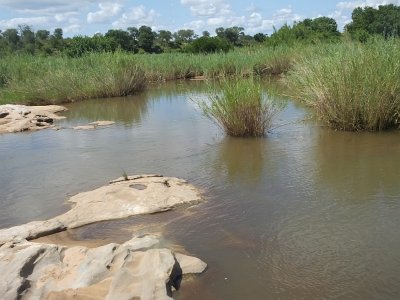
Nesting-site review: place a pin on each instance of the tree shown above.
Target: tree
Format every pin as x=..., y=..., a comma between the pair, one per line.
x=146, y=38
x=206, y=33
x=27, y=38
x=122, y=38
x=164, y=38
x=12, y=39
x=42, y=35
x=58, y=33
x=383, y=21
x=207, y=44
x=134, y=35
x=260, y=37
x=184, y=36
x=220, y=31
x=306, y=31
x=56, y=40
x=79, y=45
x=232, y=34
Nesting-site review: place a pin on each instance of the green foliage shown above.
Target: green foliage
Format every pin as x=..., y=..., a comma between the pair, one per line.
x=81, y=45
x=121, y=38
x=234, y=35
x=164, y=39
x=352, y=86
x=184, y=36
x=313, y=31
x=208, y=45
x=241, y=108
x=383, y=21
x=260, y=37
x=146, y=38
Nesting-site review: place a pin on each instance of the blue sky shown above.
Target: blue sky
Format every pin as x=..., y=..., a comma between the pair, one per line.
x=87, y=17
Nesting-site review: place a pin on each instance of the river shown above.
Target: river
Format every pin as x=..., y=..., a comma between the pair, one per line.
x=305, y=213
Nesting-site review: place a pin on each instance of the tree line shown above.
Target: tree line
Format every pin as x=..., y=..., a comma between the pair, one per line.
x=366, y=22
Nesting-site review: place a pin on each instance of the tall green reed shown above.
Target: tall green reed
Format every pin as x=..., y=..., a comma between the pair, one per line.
x=352, y=86
x=240, y=108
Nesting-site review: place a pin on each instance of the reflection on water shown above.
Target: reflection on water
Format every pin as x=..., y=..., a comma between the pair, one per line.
x=306, y=213
x=122, y=110
x=357, y=165
x=241, y=158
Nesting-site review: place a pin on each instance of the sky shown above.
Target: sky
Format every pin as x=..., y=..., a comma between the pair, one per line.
x=87, y=17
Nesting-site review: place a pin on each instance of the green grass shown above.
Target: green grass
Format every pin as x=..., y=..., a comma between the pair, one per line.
x=240, y=108
x=352, y=86
x=34, y=80
x=44, y=80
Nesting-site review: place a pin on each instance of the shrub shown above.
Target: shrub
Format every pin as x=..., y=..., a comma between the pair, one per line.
x=209, y=45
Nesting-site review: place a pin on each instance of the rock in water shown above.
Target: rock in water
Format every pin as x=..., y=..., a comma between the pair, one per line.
x=119, y=199
x=113, y=271
x=93, y=125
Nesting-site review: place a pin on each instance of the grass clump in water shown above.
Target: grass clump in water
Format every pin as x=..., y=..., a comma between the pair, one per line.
x=352, y=86
x=241, y=108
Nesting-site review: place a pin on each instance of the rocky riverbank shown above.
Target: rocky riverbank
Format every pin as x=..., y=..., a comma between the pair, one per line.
x=137, y=268
x=17, y=118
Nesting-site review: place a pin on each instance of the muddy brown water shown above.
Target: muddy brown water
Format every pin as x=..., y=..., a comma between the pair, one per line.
x=306, y=213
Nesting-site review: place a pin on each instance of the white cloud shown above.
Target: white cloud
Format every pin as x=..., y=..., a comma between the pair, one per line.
x=208, y=8
x=137, y=16
x=106, y=12
x=350, y=5
x=46, y=6
x=66, y=17
x=253, y=8
x=13, y=23
x=74, y=28
x=196, y=25
x=286, y=15
x=253, y=21
x=45, y=14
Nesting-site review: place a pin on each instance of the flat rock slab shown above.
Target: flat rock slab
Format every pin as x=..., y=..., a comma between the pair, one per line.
x=84, y=127
x=102, y=123
x=94, y=125
x=121, y=198
x=127, y=271
x=17, y=118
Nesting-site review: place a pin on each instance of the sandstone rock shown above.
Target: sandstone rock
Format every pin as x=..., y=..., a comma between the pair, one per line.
x=84, y=127
x=102, y=123
x=17, y=118
x=113, y=271
x=93, y=125
x=119, y=199
x=190, y=264
x=137, y=243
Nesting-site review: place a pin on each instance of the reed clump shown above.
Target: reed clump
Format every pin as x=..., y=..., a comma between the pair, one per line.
x=240, y=108
x=352, y=86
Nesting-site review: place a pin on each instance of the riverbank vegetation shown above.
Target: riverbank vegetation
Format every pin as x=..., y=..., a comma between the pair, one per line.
x=349, y=78
x=352, y=86
x=35, y=79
